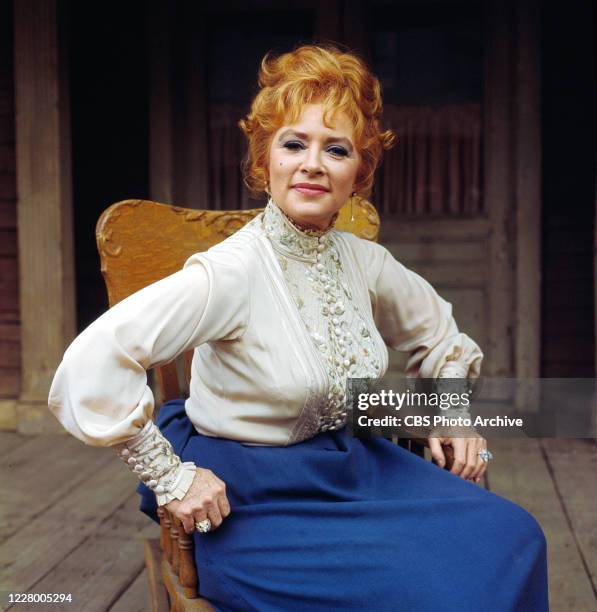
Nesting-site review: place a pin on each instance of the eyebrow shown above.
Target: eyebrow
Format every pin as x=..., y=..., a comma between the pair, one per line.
x=306, y=137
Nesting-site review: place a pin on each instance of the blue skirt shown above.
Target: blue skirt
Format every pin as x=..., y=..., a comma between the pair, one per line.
x=337, y=523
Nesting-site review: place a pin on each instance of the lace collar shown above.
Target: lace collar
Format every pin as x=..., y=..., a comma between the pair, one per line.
x=291, y=240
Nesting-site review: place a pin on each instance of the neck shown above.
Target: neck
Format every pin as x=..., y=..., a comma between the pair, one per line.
x=291, y=237
x=312, y=230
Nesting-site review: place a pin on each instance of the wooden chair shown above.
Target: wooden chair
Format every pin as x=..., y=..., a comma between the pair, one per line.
x=139, y=243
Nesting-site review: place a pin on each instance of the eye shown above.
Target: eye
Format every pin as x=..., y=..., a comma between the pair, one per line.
x=294, y=145
x=338, y=151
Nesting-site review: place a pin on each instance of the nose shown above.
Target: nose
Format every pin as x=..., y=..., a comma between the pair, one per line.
x=312, y=162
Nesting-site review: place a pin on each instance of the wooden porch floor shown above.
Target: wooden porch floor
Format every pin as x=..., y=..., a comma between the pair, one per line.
x=69, y=519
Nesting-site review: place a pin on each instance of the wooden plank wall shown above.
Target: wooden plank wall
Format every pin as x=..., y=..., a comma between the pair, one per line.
x=568, y=307
x=452, y=255
x=10, y=353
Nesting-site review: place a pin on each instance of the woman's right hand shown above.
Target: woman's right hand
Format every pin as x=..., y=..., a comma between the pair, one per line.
x=206, y=498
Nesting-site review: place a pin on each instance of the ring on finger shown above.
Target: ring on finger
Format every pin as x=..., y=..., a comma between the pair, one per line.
x=203, y=526
x=485, y=454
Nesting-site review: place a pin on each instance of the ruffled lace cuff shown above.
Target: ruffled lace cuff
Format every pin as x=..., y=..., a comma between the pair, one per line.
x=455, y=370
x=150, y=456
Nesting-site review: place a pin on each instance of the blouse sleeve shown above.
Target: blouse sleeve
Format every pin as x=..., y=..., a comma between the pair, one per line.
x=414, y=319
x=99, y=392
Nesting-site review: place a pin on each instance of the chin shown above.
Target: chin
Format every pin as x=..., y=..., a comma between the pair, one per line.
x=307, y=210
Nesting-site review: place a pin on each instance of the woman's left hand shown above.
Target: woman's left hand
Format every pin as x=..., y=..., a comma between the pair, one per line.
x=465, y=450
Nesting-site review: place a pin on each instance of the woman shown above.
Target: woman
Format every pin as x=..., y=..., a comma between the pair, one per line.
x=290, y=512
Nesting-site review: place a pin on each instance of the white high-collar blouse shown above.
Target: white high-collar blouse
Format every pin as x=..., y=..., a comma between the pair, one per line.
x=278, y=319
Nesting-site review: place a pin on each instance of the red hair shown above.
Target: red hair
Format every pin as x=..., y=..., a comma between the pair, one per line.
x=315, y=75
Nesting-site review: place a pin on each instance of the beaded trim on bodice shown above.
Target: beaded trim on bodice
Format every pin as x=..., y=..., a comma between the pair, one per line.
x=314, y=274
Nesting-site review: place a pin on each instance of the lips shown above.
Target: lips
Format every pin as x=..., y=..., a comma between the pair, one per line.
x=310, y=188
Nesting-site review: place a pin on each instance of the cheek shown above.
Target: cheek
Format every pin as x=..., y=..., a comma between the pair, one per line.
x=280, y=167
x=345, y=176
x=278, y=174
x=275, y=165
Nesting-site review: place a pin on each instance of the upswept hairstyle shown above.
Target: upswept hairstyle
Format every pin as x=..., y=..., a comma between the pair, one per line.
x=315, y=75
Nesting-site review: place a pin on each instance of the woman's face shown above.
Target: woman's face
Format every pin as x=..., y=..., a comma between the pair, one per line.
x=313, y=168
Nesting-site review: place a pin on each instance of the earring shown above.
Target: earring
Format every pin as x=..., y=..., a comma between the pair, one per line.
x=352, y=195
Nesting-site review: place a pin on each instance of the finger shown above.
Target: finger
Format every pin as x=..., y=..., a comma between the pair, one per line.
x=211, y=510
x=214, y=515
x=479, y=467
x=437, y=452
x=483, y=468
x=484, y=464
x=471, y=459
x=200, y=515
x=459, y=456
x=185, y=515
x=475, y=475
x=224, y=505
